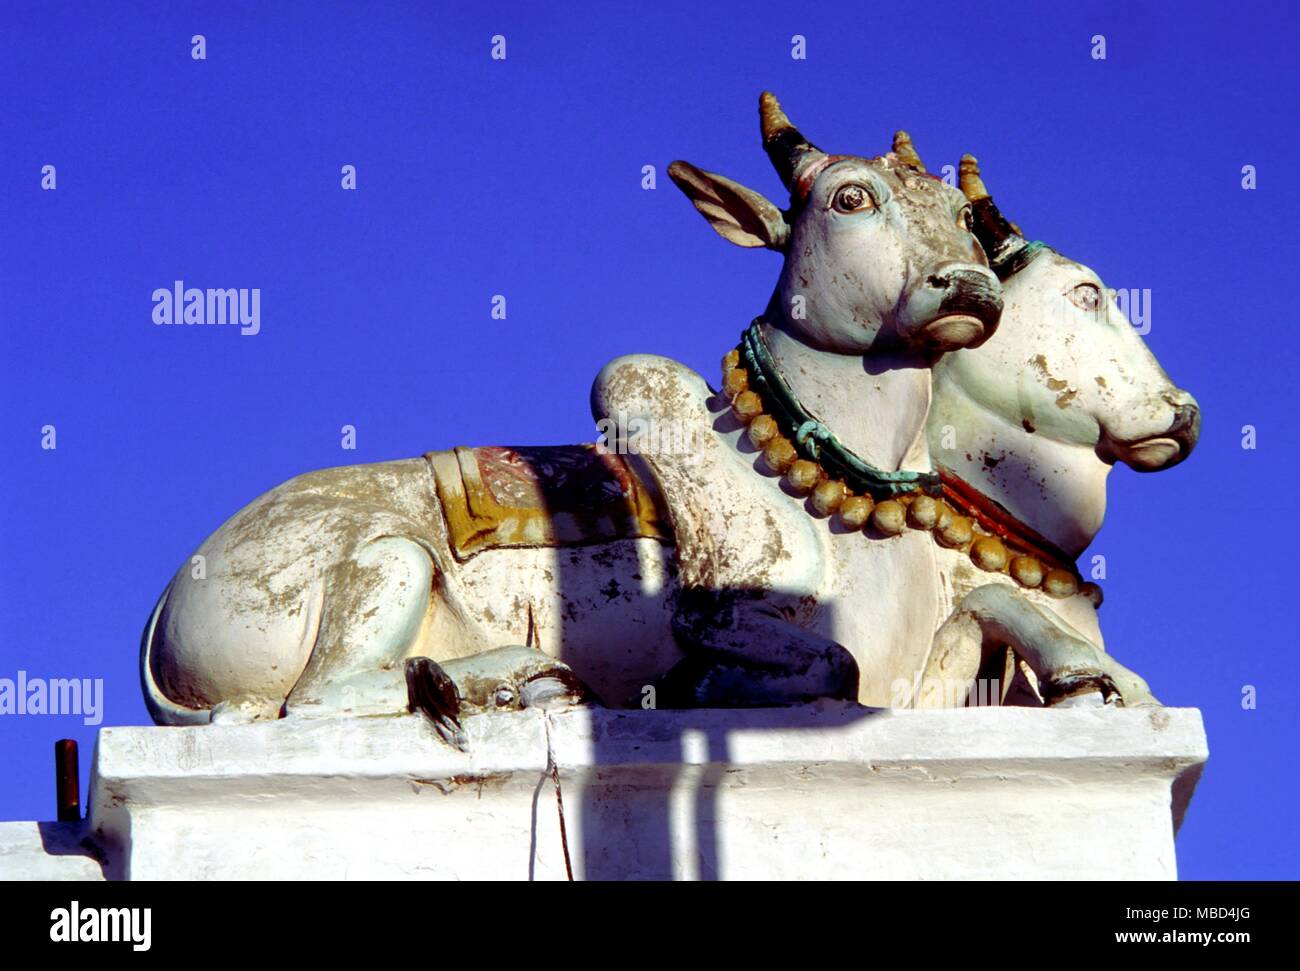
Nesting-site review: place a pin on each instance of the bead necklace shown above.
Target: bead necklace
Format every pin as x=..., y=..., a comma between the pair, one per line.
x=959, y=517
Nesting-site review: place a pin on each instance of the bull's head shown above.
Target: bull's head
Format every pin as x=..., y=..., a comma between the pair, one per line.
x=1082, y=375
x=877, y=253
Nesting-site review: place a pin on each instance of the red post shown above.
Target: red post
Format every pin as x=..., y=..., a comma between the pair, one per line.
x=67, y=780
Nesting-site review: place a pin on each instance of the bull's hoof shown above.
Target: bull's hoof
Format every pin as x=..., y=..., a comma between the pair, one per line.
x=433, y=693
x=560, y=689
x=1080, y=688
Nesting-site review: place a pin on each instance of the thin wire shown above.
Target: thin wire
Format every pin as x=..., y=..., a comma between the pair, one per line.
x=559, y=796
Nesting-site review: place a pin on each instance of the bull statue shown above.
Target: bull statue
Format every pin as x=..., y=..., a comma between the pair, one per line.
x=501, y=577
x=783, y=555
x=1025, y=430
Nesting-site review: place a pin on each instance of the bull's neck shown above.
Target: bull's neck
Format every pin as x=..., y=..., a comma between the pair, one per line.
x=876, y=406
x=1057, y=489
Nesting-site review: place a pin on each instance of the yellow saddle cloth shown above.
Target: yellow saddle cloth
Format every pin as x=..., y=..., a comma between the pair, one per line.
x=548, y=495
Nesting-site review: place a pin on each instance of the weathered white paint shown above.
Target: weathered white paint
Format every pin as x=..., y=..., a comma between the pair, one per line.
x=1044, y=408
x=1035, y=419
x=825, y=791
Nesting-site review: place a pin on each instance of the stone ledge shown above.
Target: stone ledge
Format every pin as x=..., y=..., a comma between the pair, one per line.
x=48, y=851
x=823, y=791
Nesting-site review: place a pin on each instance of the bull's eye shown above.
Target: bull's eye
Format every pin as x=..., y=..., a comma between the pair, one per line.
x=853, y=198
x=1086, y=296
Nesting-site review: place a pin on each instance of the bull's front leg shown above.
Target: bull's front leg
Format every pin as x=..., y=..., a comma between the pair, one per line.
x=739, y=544
x=995, y=616
x=743, y=651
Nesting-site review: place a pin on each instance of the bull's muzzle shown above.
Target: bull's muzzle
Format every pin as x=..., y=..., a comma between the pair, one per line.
x=1165, y=450
x=957, y=305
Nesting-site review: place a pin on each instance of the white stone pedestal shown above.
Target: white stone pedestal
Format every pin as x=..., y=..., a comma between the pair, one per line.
x=830, y=791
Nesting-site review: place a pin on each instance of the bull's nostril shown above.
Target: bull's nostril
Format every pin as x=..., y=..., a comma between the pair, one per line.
x=1186, y=423
x=938, y=282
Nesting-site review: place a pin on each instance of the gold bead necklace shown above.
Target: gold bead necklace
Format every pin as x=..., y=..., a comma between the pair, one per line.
x=963, y=519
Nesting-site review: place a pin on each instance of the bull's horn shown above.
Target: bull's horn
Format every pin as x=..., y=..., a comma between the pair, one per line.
x=969, y=181
x=1001, y=239
x=906, y=151
x=785, y=145
x=771, y=116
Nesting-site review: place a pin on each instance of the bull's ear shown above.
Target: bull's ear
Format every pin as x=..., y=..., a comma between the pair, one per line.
x=741, y=215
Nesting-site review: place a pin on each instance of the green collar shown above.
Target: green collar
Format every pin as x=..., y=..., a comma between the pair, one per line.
x=813, y=440
x=1018, y=259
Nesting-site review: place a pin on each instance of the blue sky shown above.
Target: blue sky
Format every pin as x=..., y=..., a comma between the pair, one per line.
x=523, y=177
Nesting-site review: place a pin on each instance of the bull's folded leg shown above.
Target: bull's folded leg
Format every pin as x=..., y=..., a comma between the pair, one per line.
x=373, y=607
x=1065, y=663
x=505, y=679
x=740, y=653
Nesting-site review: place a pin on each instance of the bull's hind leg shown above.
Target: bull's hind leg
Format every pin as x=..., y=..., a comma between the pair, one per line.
x=374, y=606
x=993, y=616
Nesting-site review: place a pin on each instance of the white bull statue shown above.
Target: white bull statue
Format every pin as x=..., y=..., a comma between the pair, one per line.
x=776, y=560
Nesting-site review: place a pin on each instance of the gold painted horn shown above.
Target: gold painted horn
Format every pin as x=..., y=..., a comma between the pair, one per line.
x=969, y=181
x=784, y=143
x=772, y=116
x=906, y=151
